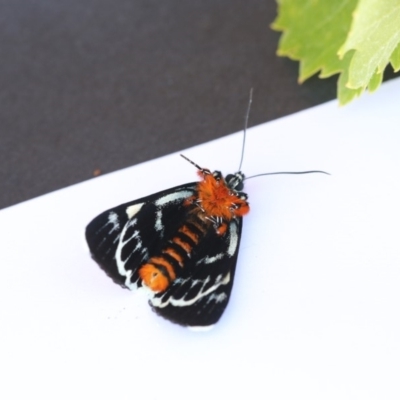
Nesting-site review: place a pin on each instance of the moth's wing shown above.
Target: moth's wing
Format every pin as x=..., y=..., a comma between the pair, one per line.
x=200, y=296
x=122, y=238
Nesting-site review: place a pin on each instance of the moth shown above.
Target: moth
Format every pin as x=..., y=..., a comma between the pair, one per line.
x=180, y=244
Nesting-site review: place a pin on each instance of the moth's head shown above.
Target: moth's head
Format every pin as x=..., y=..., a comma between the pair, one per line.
x=232, y=181
x=235, y=181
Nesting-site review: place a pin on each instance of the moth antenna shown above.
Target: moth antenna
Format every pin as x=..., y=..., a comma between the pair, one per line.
x=191, y=162
x=288, y=173
x=246, y=121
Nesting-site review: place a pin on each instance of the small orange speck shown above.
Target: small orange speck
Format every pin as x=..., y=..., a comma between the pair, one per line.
x=222, y=229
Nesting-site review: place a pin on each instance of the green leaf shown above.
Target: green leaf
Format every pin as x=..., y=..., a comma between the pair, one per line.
x=374, y=35
x=345, y=94
x=395, y=58
x=313, y=31
x=354, y=38
x=375, y=81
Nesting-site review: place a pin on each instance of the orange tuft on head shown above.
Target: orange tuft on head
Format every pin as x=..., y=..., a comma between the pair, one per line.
x=243, y=209
x=218, y=200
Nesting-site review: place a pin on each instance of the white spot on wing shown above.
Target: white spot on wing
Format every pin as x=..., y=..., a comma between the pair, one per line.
x=131, y=211
x=218, y=298
x=233, y=239
x=173, y=197
x=210, y=260
x=113, y=220
x=159, y=227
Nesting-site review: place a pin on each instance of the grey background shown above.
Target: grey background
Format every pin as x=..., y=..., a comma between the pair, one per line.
x=97, y=84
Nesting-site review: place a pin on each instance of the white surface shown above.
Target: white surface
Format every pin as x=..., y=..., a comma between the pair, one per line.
x=314, y=312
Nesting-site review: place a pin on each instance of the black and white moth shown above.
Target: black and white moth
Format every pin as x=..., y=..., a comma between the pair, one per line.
x=181, y=243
